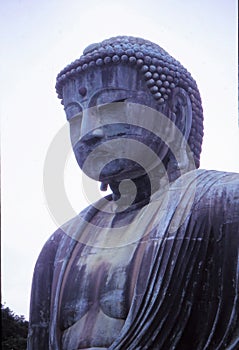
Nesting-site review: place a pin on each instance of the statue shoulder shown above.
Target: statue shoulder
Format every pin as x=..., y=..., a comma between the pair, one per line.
x=68, y=233
x=50, y=248
x=217, y=198
x=211, y=196
x=214, y=184
x=219, y=186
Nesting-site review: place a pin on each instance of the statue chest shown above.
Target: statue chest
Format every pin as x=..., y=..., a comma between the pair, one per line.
x=97, y=281
x=98, y=284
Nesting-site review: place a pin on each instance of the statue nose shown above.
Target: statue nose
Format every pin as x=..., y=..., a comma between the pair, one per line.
x=98, y=132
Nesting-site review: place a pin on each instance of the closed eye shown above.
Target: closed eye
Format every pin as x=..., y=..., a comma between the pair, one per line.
x=121, y=100
x=109, y=105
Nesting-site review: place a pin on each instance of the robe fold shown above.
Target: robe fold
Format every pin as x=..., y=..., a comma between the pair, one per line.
x=186, y=293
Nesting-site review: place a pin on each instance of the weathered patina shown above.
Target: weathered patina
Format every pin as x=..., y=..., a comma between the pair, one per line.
x=155, y=264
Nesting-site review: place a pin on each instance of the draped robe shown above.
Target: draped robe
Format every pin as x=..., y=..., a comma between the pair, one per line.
x=186, y=293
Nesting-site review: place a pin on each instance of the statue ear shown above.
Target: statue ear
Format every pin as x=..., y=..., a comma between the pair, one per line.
x=182, y=108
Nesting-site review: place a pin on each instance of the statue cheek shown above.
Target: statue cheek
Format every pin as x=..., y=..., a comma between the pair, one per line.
x=80, y=153
x=75, y=130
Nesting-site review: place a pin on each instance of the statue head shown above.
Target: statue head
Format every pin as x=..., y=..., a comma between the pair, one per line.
x=118, y=78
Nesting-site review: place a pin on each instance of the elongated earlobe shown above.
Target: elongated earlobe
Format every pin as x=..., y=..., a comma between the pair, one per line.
x=182, y=107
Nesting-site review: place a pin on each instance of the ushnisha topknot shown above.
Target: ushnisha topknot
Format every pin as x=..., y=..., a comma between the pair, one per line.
x=161, y=73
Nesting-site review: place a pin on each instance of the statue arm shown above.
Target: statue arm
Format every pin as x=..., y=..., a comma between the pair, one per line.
x=38, y=336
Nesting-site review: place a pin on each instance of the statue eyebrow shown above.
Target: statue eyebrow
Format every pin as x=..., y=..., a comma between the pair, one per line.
x=109, y=95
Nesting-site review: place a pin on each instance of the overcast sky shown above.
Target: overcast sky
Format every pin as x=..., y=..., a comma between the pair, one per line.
x=38, y=38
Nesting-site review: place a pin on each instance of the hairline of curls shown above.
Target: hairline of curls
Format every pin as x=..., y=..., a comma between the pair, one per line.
x=160, y=70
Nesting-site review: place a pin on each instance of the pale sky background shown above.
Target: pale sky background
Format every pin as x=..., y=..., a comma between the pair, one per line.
x=38, y=38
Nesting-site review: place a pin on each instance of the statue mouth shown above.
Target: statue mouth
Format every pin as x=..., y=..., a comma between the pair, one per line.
x=121, y=169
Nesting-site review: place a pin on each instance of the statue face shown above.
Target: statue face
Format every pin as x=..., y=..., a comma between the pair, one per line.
x=109, y=140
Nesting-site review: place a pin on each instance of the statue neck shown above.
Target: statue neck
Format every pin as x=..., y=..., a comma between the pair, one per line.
x=137, y=190
x=132, y=191
x=140, y=189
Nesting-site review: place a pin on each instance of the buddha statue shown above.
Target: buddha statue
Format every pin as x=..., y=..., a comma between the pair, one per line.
x=154, y=265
